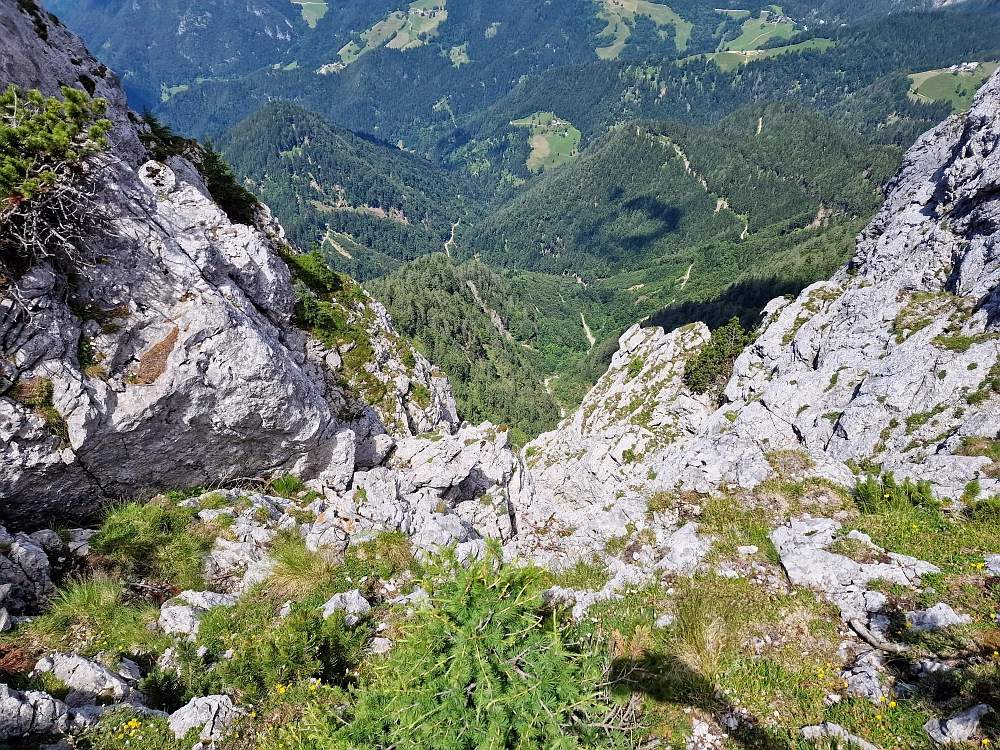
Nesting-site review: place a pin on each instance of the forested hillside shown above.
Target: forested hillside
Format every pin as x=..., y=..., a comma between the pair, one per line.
x=653, y=219
x=160, y=48
x=860, y=81
x=369, y=205
x=650, y=191
x=459, y=317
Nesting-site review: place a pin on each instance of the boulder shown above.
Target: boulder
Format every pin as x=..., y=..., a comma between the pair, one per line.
x=938, y=616
x=959, y=728
x=212, y=713
x=87, y=679
x=351, y=602
x=31, y=712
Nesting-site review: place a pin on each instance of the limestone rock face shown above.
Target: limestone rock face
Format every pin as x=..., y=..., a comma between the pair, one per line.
x=637, y=408
x=40, y=53
x=194, y=371
x=893, y=359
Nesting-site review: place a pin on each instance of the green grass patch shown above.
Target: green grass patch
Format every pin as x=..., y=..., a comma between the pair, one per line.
x=958, y=87
x=553, y=141
x=156, y=539
x=758, y=31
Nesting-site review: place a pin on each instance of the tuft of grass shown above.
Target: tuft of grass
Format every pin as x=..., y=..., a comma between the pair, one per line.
x=585, y=575
x=702, y=635
x=297, y=570
x=37, y=395
x=156, y=539
x=386, y=556
x=287, y=486
x=93, y=614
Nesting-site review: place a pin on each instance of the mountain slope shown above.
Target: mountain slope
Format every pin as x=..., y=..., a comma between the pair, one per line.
x=370, y=206
x=893, y=365
x=169, y=43
x=651, y=189
x=458, y=316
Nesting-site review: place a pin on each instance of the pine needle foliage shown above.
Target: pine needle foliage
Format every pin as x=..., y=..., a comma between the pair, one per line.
x=38, y=134
x=44, y=142
x=709, y=370
x=483, y=668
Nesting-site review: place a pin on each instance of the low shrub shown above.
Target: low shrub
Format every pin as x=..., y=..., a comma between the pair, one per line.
x=709, y=370
x=485, y=667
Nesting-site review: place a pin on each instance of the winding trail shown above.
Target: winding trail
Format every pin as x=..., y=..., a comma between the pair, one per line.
x=586, y=330
x=451, y=240
x=687, y=275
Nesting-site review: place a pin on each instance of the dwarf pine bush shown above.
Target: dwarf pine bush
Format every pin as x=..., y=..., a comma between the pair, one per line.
x=483, y=668
x=43, y=142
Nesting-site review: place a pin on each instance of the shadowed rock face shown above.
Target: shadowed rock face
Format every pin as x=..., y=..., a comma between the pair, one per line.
x=201, y=375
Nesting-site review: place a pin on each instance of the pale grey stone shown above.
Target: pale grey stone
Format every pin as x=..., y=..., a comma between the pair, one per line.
x=31, y=712
x=686, y=551
x=87, y=679
x=380, y=645
x=938, y=616
x=179, y=619
x=213, y=713
x=959, y=728
x=993, y=565
x=351, y=602
x=207, y=599
x=129, y=671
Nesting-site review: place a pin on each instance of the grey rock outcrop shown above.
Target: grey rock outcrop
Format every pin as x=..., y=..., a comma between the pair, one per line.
x=87, y=680
x=199, y=373
x=893, y=358
x=959, y=728
x=185, y=619
x=25, y=574
x=638, y=407
x=213, y=713
x=351, y=602
x=31, y=712
x=802, y=544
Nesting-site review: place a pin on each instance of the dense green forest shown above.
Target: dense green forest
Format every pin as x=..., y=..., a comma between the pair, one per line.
x=370, y=205
x=651, y=190
x=458, y=316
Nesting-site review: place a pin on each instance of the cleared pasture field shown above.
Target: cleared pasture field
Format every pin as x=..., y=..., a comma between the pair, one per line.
x=945, y=85
x=553, y=141
x=312, y=11
x=730, y=60
x=757, y=31
x=401, y=30
x=616, y=12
